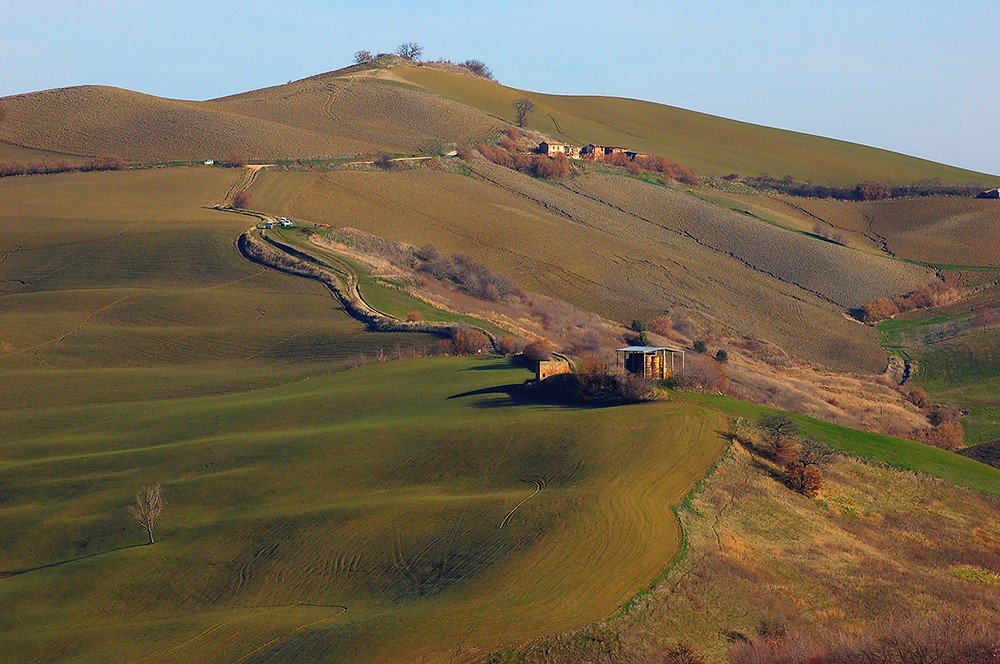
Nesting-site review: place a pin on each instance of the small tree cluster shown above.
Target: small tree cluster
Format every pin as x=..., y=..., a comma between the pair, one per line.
x=822, y=230
x=236, y=160
x=470, y=342
x=800, y=457
x=104, y=163
x=538, y=350
x=410, y=50
x=924, y=297
x=385, y=162
x=865, y=191
x=468, y=274
x=363, y=57
x=478, y=68
x=670, y=170
x=13, y=168
x=535, y=165
x=511, y=345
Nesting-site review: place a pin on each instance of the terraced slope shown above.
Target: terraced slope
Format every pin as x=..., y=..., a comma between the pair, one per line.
x=621, y=248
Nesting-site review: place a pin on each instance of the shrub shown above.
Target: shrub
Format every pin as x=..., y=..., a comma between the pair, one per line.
x=538, y=350
x=385, y=162
x=805, y=479
x=104, y=163
x=478, y=68
x=356, y=361
x=464, y=152
x=236, y=160
x=700, y=346
x=511, y=345
x=947, y=435
x=470, y=342
x=918, y=397
x=241, y=199
x=415, y=317
x=721, y=355
x=661, y=325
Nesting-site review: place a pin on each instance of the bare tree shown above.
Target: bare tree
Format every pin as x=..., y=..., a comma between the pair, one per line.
x=523, y=107
x=780, y=428
x=363, y=57
x=410, y=50
x=241, y=199
x=148, y=507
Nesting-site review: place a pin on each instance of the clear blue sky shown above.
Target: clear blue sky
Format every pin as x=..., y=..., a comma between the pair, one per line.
x=918, y=77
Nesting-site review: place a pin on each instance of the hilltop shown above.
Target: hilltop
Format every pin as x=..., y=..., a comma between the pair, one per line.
x=394, y=105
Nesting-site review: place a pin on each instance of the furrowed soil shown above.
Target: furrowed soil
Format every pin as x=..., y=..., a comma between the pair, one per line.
x=619, y=247
x=399, y=107
x=312, y=512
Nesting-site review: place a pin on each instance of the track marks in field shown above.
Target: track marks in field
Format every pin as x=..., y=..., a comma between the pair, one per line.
x=246, y=570
x=63, y=337
x=539, y=485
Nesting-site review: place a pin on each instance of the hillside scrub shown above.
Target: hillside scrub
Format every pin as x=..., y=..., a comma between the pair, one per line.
x=869, y=190
x=535, y=165
x=102, y=163
x=936, y=294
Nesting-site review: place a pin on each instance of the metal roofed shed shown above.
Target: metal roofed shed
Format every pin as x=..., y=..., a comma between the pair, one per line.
x=649, y=361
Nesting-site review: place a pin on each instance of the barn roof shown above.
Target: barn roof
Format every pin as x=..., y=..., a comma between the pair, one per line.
x=648, y=349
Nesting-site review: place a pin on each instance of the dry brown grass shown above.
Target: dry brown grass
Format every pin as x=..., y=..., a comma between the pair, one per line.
x=876, y=543
x=566, y=244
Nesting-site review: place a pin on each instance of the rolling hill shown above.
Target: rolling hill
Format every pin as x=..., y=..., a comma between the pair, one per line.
x=396, y=106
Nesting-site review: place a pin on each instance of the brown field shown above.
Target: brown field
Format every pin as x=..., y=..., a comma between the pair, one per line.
x=584, y=244
x=938, y=230
x=420, y=109
x=320, y=116
x=876, y=545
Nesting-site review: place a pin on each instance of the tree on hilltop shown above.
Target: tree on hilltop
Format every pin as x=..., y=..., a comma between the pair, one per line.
x=148, y=507
x=523, y=106
x=363, y=57
x=410, y=50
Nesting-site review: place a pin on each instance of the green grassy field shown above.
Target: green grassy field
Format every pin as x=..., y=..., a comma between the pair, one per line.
x=897, y=452
x=313, y=512
x=708, y=144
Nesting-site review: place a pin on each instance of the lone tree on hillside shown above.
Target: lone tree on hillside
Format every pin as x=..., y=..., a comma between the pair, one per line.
x=363, y=57
x=523, y=106
x=410, y=50
x=148, y=507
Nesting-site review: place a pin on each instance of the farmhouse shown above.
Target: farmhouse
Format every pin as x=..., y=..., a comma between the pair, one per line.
x=551, y=149
x=649, y=361
x=990, y=193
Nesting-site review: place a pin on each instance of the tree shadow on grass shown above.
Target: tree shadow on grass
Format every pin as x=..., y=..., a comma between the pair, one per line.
x=16, y=572
x=518, y=395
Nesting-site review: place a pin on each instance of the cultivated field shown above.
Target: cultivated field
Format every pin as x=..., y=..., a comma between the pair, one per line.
x=312, y=512
x=709, y=145
x=877, y=548
x=410, y=109
x=619, y=247
x=950, y=231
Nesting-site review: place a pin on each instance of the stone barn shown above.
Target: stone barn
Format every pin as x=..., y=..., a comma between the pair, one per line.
x=650, y=361
x=549, y=368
